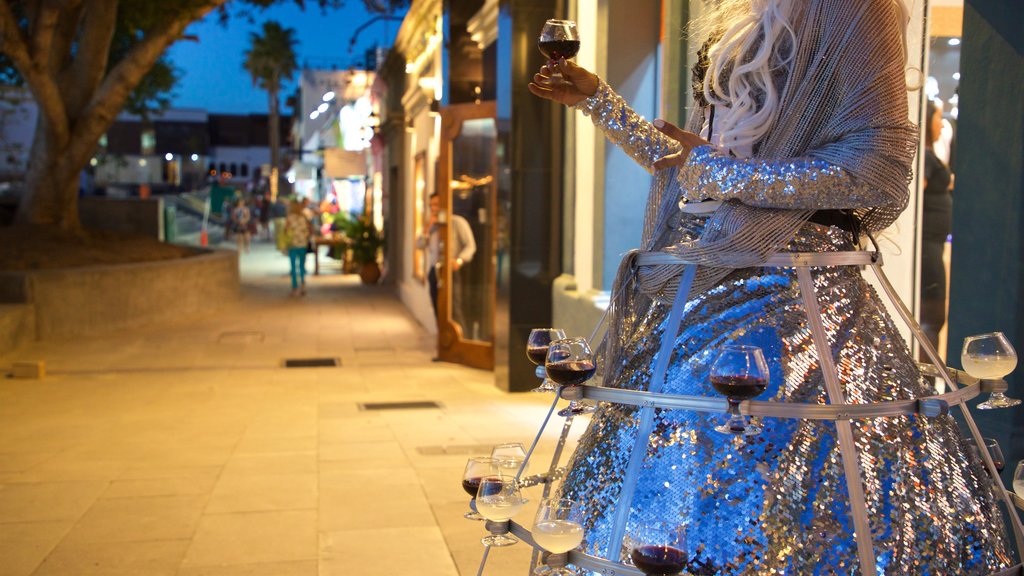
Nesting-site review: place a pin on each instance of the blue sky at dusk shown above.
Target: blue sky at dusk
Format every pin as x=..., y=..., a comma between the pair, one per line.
x=211, y=69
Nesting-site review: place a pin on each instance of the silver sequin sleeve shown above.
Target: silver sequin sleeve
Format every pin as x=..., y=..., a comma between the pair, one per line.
x=797, y=183
x=627, y=129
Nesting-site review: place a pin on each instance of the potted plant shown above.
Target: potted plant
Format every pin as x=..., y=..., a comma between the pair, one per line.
x=365, y=243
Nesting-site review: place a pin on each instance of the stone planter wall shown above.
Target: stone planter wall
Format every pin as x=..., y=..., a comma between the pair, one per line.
x=78, y=302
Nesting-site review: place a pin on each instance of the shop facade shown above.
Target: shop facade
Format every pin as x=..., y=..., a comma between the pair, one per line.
x=561, y=206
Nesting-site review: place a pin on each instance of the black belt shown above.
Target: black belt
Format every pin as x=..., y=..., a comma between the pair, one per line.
x=844, y=219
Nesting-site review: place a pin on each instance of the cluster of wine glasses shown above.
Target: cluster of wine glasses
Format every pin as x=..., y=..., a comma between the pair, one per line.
x=566, y=362
x=990, y=357
x=506, y=461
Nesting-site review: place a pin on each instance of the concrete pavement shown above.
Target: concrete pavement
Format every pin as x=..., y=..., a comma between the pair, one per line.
x=187, y=449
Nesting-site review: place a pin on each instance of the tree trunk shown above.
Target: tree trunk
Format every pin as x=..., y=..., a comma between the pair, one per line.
x=275, y=131
x=51, y=184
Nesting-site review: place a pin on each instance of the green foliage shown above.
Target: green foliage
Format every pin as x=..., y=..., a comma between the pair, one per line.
x=271, y=56
x=365, y=238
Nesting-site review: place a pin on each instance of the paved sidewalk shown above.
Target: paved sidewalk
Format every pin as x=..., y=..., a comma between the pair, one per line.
x=188, y=450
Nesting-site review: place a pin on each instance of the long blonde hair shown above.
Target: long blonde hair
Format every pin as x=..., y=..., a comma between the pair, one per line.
x=755, y=47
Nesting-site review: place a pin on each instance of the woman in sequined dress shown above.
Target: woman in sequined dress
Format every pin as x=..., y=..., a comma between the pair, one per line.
x=798, y=142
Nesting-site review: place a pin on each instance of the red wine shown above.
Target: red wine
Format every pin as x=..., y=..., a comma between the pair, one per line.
x=537, y=354
x=739, y=387
x=571, y=373
x=471, y=485
x=659, y=560
x=558, y=49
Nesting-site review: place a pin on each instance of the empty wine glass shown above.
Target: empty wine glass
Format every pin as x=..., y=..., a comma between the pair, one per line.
x=559, y=39
x=659, y=549
x=509, y=458
x=570, y=362
x=990, y=357
x=558, y=528
x=537, y=351
x=739, y=373
x=1018, y=479
x=477, y=468
x=498, y=499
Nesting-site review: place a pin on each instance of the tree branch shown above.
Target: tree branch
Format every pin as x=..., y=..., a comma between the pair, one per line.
x=42, y=27
x=99, y=23
x=119, y=82
x=42, y=85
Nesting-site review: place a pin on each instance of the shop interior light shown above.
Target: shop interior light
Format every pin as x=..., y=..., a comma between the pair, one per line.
x=314, y=114
x=168, y=156
x=956, y=75
x=329, y=95
x=195, y=157
x=323, y=107
x=954, y=41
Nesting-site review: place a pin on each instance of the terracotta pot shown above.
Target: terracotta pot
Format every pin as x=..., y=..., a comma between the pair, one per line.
x=369, y=273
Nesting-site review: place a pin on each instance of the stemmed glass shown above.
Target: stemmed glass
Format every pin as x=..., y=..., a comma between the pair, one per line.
x=659, y=549
x=537, y=351
x=1018, y=479
x=477, y=468
x=739, y=373
x=570, y=362
x=509, y=458
x=558, y=528
x=992, y=445
x=498, y=499
x=990, y=357
x=559, y=39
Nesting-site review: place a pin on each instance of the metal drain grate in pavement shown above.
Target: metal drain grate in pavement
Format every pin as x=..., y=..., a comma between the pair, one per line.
x=311, y=362
x=399, y=405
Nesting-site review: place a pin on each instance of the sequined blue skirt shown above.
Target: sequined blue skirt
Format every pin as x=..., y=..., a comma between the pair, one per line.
x=777, y=503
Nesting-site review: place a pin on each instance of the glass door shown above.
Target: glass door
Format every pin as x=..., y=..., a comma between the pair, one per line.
x=466, y=273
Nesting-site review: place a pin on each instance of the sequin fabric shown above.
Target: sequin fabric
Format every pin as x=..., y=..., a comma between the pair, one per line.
x=792, y=183
x=777, y=503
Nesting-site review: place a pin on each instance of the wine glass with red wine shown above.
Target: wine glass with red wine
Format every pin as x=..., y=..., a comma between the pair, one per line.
x=740, y=373
x=559, y=39
x=570, y=362
x=537, y=351
x=477, y=468
x=659, y=549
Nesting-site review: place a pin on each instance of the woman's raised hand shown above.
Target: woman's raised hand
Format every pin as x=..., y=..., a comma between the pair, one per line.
x=689, y=141
x=575, y=84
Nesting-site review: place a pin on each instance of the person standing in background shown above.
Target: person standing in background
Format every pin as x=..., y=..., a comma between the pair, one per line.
x=299, y=231
x=936, y=225
x=464, y=249
x=240, y=218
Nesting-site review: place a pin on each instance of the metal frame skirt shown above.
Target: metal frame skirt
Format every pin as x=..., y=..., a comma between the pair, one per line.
x=838, y=410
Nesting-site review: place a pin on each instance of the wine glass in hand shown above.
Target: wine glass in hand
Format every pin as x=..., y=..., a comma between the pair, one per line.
x=990, y=357
x=537, y=351
x=498, y=499
x=659, y=549
x=559, y=39
x=571, y=362
x=739, y=373
x=557, y=528
x=477, y=468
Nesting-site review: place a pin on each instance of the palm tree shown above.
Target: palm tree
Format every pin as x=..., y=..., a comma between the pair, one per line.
x=271, y=60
